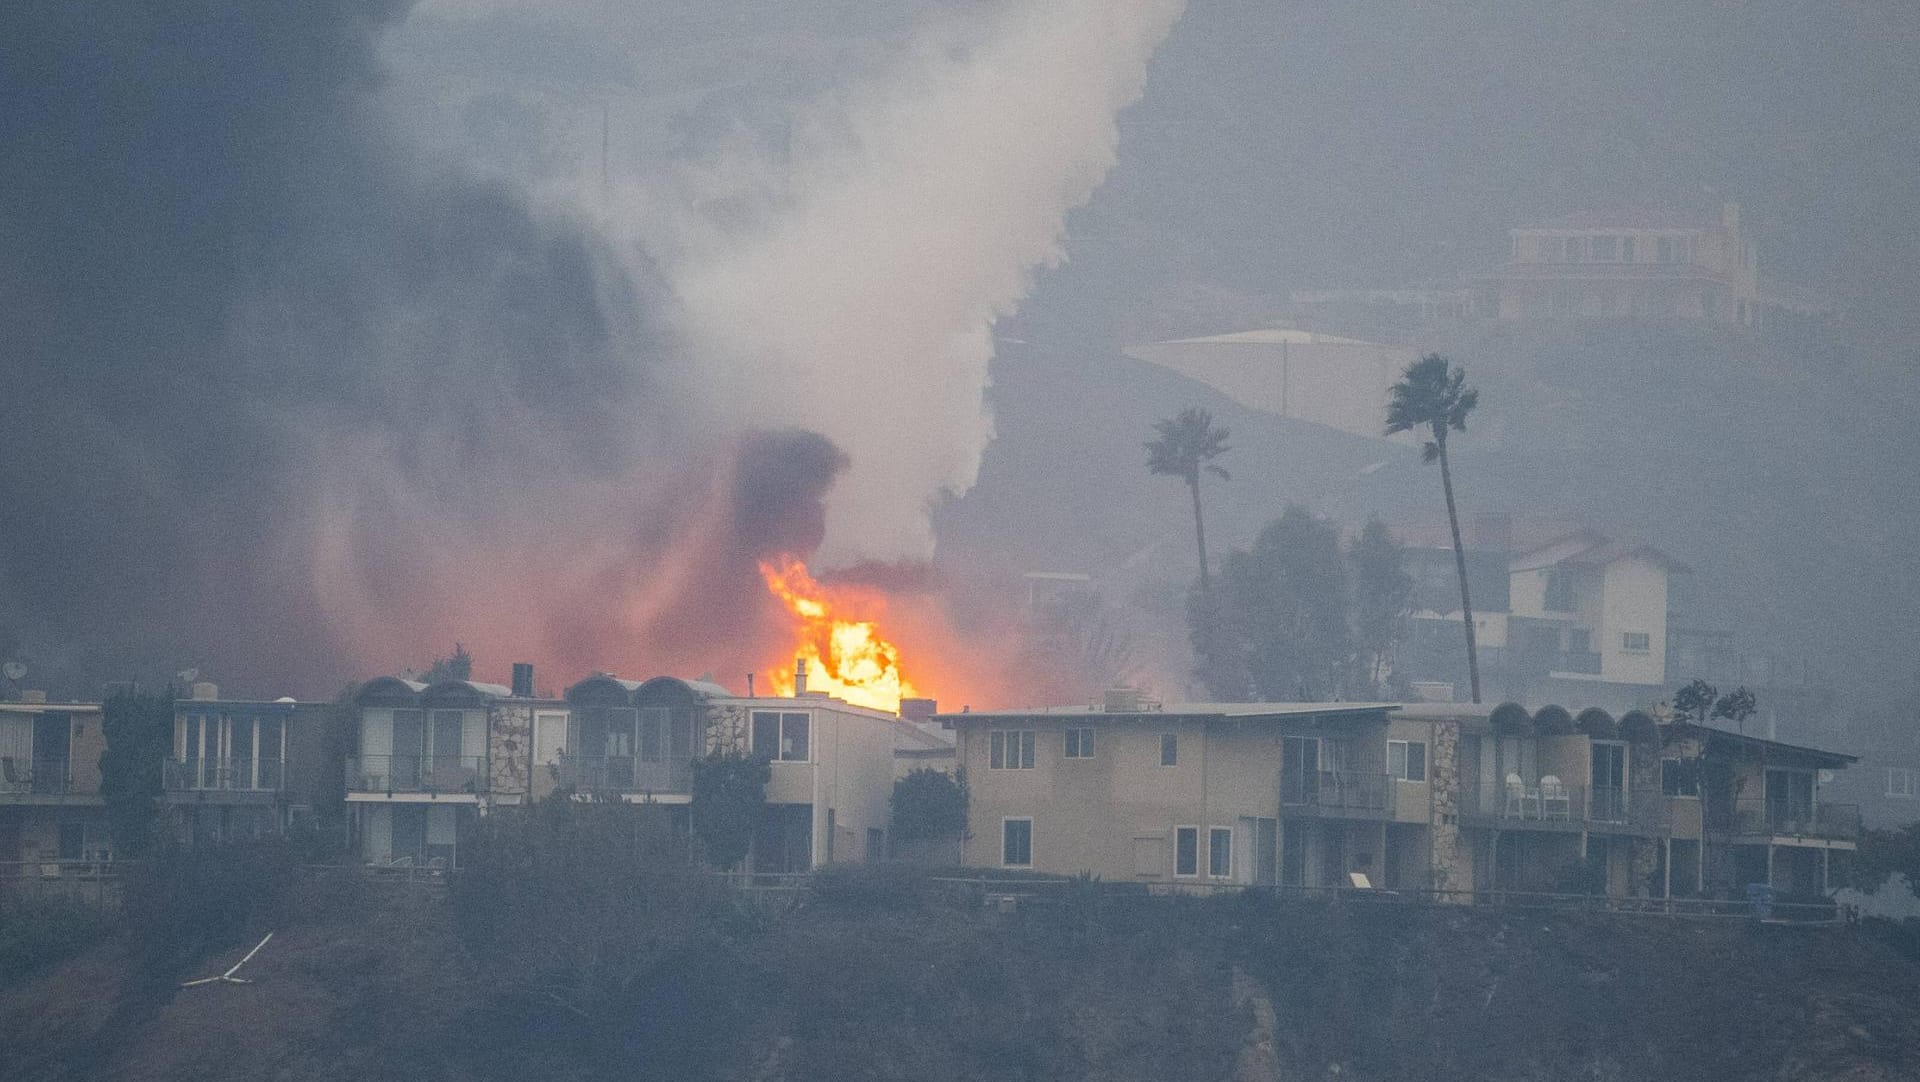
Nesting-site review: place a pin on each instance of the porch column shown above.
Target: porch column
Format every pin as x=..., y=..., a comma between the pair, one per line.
x=1666, y=885
x=1826, y=858
x=1769, y=864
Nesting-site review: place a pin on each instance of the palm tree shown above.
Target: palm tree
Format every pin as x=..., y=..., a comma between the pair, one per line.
x=1187, y=445
x=1434, y=394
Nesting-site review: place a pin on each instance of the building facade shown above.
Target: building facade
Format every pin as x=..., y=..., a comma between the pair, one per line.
x=51, y=810
x=248, y=769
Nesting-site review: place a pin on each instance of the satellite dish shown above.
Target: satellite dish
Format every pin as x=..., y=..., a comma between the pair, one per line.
x=188, y=676
x=14, y=670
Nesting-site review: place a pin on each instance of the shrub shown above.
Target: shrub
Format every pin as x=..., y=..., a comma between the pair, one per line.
x=37, y=934
x=929, y=804
x=188, y=903
x=729, y=796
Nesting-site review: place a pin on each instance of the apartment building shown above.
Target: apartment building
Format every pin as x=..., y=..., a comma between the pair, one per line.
x=51, y=810
x=431, y=759
x=247, y=768
x=1202, y=793
x=1460, y=800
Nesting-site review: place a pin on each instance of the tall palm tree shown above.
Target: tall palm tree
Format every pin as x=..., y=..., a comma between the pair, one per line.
x=1187, y=445
x=1433, y=394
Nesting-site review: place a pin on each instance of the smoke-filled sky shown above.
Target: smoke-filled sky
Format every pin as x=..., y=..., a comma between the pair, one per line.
x=335, y=331
x=301, y=386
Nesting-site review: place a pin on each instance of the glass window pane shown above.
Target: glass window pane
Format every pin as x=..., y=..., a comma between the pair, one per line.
x=997, y=753
x=1026, y=749
x=1416, y=762
x=794, y=744
x=1186, y=851
x=1220, y=852
x=766, y=733
x=1169, y=749
x=1397, y=758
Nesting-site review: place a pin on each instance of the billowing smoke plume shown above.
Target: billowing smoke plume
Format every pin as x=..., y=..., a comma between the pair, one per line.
x=861, y=302
x=287, y=398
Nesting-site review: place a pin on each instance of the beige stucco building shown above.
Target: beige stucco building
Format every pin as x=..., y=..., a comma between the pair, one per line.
x=51, y=810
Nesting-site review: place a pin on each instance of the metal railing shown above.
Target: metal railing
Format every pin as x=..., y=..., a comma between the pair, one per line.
x=246, y=775
x=624, y=774
x=1339, y=791
x=44, y=776
x=1544, y=802
x=417, y=774
x=1796, y=818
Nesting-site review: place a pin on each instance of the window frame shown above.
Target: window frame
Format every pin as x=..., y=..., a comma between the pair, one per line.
x=1191, y=831
x=1907, y=789
x=1005, y=822
x=1020, y=742
x=1405, y=770
x=1214, y=853
x=1078, y=743
x=1646, y=642
x=780, y=735
x=1169, y=749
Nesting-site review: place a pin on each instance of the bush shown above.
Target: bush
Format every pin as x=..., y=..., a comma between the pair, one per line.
x=37, y=934
x=188, y=903
x=729, y=796
x=929, y=804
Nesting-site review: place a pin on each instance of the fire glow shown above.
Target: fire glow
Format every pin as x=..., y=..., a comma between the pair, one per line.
x=846, y=656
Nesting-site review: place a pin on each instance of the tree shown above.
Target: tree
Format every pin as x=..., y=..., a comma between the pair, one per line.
x=1187, y=445
x=1736, y=706
x=1695, y=700
x=729, y=794
x=457, y=667
x=929, y=804
x=1382, y=595
x=139, y=733
x=1433, y=395
x=1283, y=630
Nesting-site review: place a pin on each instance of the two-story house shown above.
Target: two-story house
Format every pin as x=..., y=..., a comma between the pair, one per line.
x=1202, y=793
x=50, y=805
x=244, y=768
x=1641, y=264
x=420, y=771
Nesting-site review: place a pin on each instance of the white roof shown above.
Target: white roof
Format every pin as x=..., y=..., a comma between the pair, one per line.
x=1231, y=710
x=1268, y=336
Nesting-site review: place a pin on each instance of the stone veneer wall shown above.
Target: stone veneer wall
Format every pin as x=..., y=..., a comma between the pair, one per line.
x=509, y=749
x=1450, y=870
x=728, y=729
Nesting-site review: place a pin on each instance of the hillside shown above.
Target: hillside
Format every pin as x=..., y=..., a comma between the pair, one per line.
x=875, y=981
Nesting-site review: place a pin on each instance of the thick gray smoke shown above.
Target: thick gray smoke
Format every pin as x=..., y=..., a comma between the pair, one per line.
x=288, y=397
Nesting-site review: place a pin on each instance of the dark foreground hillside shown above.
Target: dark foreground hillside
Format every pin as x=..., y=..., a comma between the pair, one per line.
x=884, y=979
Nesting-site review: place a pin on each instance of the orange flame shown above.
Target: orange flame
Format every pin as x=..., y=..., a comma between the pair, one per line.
x=847, y=658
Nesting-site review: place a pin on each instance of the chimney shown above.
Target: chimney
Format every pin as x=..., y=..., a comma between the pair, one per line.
x=918, y=709
x=523, y=680
x=205, y=690
x=33, y=696
x=799, y=676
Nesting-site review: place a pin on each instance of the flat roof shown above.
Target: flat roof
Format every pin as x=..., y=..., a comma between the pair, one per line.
x=1227, y=710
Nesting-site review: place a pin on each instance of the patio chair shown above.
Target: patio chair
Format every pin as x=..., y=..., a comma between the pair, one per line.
x=1555, y=802
x=1518, y=797
x=16, y=780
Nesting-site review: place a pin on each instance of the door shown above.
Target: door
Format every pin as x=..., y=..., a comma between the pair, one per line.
x=1609, y=781
x=52, y=737
x=1789, y=800
x=1266, y=842
x=410, y=832
x=409, y=746
x=1299, y=769
x=1293, y=854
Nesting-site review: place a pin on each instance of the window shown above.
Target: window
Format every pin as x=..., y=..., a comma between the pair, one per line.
x=1606, y=249
x=1079, y=743
x=1559, y=591
x=781, y=735
x=1900, y=782
x=1680, y=777
x=1010, y=749
x=1636, y=642
x=1220, y=852
x=1407, y=759
x=1169, y=749
x=1186, y=850
x=1016, y=843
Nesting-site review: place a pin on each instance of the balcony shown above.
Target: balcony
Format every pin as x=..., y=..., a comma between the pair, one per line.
x=624, y=774
x=1794, y=819
x=429, y=774
x=223, y=775
x=1343, y=794
x=1546, y=806
x=35, y=777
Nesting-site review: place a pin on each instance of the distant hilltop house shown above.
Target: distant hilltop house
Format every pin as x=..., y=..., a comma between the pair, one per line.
x=1641, y=264
x=1338, y=382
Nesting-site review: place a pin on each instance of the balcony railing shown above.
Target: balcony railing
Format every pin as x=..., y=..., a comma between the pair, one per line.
x=1339, y=792
x=1546, y=802
x=44, y=777
x=1796, y=818
x=417, y=774
x=223, y=775
x=624, y=774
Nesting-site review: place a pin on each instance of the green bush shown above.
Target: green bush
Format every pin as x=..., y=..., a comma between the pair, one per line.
x=187, y=903
x=37, y=934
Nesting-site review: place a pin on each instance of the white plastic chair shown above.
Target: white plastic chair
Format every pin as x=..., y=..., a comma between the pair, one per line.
x=1555, y=803
x=1516, y=797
